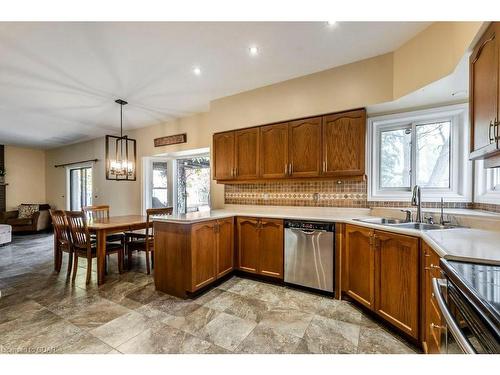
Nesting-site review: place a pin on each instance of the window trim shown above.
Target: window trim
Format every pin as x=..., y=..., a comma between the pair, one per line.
x=460, y=167
x=483, y=191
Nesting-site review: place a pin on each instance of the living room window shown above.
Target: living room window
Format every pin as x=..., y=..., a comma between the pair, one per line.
x=426, y=148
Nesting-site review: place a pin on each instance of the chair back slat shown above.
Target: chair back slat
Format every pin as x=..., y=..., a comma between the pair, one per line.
x=61, y=227
x=96, y=213
x=155, y=212
x=80, y=235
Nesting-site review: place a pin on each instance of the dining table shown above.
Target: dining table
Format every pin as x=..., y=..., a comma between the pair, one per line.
x=114, y=224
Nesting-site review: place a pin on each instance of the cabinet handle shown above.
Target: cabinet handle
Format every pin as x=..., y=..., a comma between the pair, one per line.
x=495, y=131
x=436, y=326
x=286, y=170
x=433, y=267
x=236, y=171
x=290, y=168
x=324, y=166
x=492, y=126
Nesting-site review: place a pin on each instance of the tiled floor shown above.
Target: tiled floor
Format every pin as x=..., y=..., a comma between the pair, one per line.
x=41, y=313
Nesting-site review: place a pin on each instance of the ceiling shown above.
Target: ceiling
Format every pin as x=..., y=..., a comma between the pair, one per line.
x=58, y=81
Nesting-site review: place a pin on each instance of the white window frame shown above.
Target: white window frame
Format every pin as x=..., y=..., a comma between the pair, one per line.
x=484, y=189
x=460, y=189
x=68, y=187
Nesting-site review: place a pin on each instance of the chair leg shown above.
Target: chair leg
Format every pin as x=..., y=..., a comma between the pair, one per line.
x=120, y=260
x=70, y=264
x=89, y=270
x=152, y=259
x=75, y=267
x=59, y=260
x=129, y=259
x=148, y=266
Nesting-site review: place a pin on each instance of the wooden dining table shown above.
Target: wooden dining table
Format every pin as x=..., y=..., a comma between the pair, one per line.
x=113, y=224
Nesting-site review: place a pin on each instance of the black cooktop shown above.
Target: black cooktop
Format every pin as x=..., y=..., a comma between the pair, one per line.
x=481, y=283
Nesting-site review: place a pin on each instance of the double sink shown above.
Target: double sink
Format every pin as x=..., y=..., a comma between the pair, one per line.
x=404, y=224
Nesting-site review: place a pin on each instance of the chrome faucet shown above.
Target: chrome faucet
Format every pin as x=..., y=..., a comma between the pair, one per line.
x=416, y=200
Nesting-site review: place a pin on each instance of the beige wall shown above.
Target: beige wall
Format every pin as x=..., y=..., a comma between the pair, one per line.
x=376, y=80
x=25, y=175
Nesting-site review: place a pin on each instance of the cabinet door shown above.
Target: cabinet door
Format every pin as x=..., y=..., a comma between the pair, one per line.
x=432, y=316
x=225, y=248
x=274, y=151
x=484, y=88
x=304, y=147
x=203, y=254
x=248, y=244
x=247, y=153
x=344, y=144
x=396, y=280
x=359, y=265
x=223, y=144
x=271, y=248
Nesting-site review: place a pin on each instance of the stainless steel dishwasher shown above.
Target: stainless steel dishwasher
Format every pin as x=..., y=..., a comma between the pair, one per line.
x=309, y=254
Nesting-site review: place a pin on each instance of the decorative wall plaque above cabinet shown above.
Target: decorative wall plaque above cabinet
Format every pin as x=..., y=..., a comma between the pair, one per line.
x=170, y=140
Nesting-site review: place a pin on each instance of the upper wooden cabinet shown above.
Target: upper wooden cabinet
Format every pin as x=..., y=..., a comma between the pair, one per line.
x=224, y=156
x=304, y=150
x=484, y=66
x=324, y=146
x=246, y=153
x=274, y=151
x=344, y=144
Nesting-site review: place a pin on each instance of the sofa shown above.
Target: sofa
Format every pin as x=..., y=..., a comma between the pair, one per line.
x=34, y=218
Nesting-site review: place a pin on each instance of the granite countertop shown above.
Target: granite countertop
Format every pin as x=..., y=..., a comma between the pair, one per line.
x=463, y=244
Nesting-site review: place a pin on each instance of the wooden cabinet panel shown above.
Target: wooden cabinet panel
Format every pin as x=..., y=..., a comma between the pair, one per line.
x=247, y=153
x=271, y=248
x=225, y=246
x=396, y=282
x=248, y=244
x=304, y=150
x=223, y=154
x=432, y=317
x=203, y=254
x=359, y=265
x=344, y=144
x=274, y=151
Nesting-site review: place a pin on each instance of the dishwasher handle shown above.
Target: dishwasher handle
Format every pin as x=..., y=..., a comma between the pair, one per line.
x=451, y=324
x=308, y=232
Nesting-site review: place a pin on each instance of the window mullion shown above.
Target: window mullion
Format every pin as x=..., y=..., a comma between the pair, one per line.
x=413, y=159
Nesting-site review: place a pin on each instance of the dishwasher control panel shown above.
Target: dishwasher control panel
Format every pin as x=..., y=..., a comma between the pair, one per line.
x=310, y=225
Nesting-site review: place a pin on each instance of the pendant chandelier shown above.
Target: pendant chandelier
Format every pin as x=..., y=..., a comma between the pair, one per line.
x=120, y=153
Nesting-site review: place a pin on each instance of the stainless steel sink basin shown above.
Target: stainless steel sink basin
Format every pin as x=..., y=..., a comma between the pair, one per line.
x=382, y=220
x=396, y=223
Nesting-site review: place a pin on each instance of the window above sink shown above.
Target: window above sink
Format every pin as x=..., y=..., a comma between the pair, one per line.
x=428, y=148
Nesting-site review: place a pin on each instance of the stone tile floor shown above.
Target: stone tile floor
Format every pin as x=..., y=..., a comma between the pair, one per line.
x=40, y=312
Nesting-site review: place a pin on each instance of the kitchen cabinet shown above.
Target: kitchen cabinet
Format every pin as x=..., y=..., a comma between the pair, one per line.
x=359, y=265
x=274, y=151
x=260, y=246
x=317, y=147
x=246, y=154
x=223, y=155
x=344, y=144
x=382, y=273
x=304, y=150
x=189, y=257
x=484, y=66
x=396, y=280
x=432, y=319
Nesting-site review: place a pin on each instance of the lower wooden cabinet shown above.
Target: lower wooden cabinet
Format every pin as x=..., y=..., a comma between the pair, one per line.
x=260, y=246
x=382, y=273
x=432, y=319
x=225, y=246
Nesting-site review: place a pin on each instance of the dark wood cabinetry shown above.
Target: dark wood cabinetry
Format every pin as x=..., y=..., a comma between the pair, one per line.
x=484, y=67
x=344, y=144
x=431, y=316
x=260, y=246
x=317, y=147
x=382, y=273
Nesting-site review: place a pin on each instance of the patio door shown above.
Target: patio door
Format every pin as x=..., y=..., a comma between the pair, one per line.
x=80, y=188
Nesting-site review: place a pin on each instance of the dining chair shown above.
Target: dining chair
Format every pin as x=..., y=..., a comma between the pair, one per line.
x=84, y=246
x=145, y=241
x=62, y=240
x=101, y=213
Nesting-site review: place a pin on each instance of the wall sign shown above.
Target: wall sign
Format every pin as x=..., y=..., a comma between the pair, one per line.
x=171, y=140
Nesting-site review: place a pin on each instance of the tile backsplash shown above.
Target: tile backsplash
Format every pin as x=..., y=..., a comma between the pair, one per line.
x=329, y=193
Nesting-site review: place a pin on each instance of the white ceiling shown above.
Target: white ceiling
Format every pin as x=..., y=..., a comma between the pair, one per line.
x=58, y=81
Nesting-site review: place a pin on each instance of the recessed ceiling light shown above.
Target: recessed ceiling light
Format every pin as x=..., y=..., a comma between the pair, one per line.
x=331, y=23
x=197, y=71
x=253, y=50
